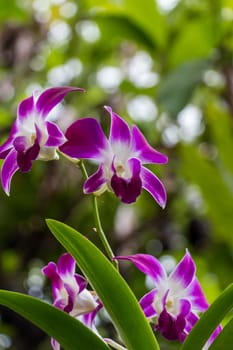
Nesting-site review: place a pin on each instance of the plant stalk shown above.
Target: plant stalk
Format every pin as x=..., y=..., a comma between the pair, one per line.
x=99, y=228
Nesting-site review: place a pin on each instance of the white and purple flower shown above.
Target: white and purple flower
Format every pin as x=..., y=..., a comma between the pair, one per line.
x=70, y=293
x=32, y=136
x=121, y=158
x=175, y=302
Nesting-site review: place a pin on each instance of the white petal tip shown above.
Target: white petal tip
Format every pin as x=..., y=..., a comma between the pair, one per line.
x=108, y=109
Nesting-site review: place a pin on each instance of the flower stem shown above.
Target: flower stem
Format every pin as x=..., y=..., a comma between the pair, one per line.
x=101, y=233
x=114, y=345
x=99, y=228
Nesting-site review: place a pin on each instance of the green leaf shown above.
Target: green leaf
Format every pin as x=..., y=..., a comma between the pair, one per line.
x=178, y=86
x=68, y=331
x=113, y=291
x=11, y=11
x=220, y=125
x=147, y=16
x=227, y=4
x=195, y=40
x=225, y=338
x=209, y=321
x=152, y=23
x=121, y=26
x=215, y=191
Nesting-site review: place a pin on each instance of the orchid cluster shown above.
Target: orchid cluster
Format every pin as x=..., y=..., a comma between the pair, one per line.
x=121, y=158
x=174, y=304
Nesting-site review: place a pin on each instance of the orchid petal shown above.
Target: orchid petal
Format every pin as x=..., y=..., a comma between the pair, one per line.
x=197, y=296
x=51, y=272
x=25, y=159
x=119, y=131
x=88, y=318
x=85, y=139
x=55, y=135
x=154, y=186
x=25, y=108
x=169, y=326
x=71, y=293
x=85, y=303
x=66, y=265
x=39, y=134
x=146, y=303
x=81, y=281
x=146, y=153
x=184, y=272
x=212, y=337
x=164, y=298
x=183, y=335
x=9, y=168
x=95, y=181
x=8, y=144
x=51, y=97
x=128, y=189
x=185, y=307
x=60, y=302
x=55, y=344
x=20, y=143
x=6, y=149
x=148, y=264
x=191, y=320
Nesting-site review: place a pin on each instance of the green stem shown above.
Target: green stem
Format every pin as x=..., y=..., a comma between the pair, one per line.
x=114, y=345
x=101, y=233
x=83, y=169
x=99, y=228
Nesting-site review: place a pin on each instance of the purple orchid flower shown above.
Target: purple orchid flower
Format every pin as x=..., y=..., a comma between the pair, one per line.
x=173, y=305
x=32, y=136
x=70, y=293
x=121, y=158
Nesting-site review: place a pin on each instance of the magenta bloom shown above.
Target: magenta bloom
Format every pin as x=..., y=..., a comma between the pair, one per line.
x=173, y=305
x=121, y=158
x=32, y=136
x=70, y=293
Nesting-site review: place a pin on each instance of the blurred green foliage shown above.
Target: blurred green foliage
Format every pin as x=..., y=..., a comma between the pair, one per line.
x=167, y=69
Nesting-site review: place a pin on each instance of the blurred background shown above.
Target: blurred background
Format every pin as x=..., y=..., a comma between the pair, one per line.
x=165, y=65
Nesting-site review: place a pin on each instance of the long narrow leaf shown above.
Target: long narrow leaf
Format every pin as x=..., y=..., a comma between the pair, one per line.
x=115, y=294
x=225, y=338
x=68, y=331
x=209, y=320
